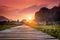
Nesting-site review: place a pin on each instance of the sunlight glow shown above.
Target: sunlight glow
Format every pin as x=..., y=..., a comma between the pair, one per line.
x=29, y=18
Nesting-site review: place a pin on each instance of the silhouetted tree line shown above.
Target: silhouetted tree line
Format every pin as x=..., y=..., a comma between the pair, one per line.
x=6, y=22
x=10, y=22
x=2, y=22
x=48, y=16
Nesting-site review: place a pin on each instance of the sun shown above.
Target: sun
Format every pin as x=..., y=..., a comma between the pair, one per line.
x=29, y=18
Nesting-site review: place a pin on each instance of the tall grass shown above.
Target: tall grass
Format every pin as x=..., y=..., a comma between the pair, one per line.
x=53, y=30
x=5, y=26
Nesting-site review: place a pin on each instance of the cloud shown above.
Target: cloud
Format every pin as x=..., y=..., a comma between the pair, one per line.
x=21, y=4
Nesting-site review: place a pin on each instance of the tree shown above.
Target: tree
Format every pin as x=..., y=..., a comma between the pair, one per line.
x=48, y=16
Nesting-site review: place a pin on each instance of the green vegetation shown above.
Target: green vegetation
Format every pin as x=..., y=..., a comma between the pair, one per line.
x=53, y=30
x=3, y=27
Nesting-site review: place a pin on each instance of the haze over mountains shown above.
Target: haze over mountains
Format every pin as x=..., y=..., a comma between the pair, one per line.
x=2, y=18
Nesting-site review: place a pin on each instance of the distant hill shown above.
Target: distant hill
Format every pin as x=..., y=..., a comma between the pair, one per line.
x=2, y=18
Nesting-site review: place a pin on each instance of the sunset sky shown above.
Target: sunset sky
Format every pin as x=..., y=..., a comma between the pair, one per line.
x=19, y=9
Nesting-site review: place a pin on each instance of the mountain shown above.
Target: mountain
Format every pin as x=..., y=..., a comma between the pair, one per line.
x=2, y=18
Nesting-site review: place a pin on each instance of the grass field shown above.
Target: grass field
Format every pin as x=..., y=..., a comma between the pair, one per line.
x=53, y=30
x=3, y=27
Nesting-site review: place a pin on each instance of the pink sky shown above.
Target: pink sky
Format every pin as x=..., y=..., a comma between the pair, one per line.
x=14, y=5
